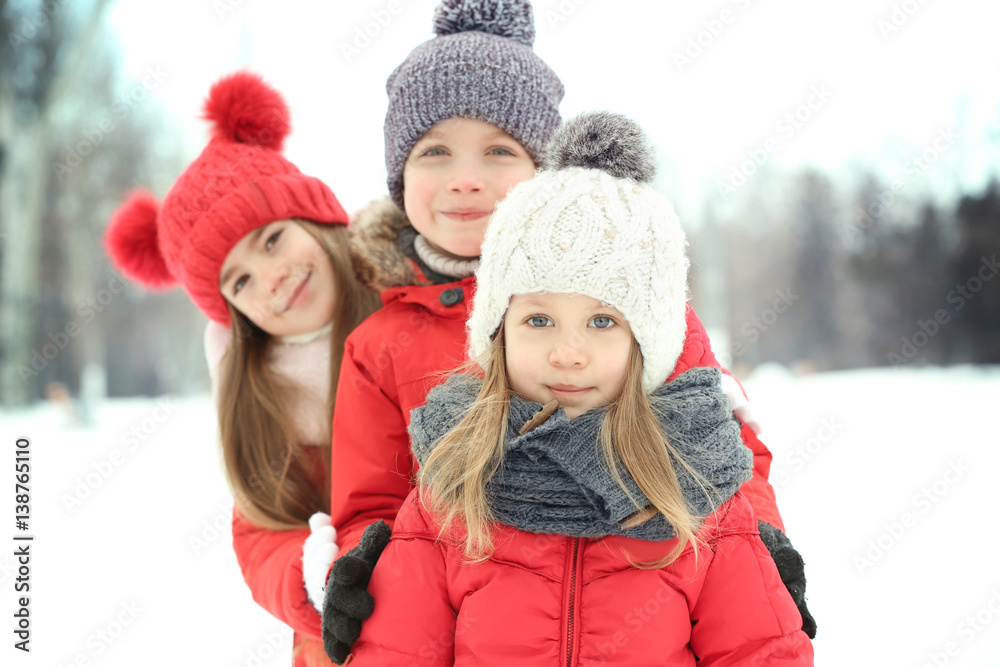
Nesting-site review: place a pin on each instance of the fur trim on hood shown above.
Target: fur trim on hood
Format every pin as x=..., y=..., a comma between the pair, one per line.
x=375, y=250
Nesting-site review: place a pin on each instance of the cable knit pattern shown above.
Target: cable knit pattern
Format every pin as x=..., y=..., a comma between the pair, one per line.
x=554, y=479
x=593, y=231
x=583, y=231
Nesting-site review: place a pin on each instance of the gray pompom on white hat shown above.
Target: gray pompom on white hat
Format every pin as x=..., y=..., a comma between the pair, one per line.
x=590, y=223
x=602, y=140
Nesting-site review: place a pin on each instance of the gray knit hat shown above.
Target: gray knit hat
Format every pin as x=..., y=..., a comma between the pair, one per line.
x=480, y=66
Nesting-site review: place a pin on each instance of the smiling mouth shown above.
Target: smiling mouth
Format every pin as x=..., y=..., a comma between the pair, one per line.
x=293, y=301
x=466, y=215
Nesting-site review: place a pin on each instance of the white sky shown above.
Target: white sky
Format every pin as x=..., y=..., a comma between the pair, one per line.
x=890, y=93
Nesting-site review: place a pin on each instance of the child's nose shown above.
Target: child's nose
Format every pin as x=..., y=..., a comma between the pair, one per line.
x=569, y=351
x=275, y=275
x=466, y=177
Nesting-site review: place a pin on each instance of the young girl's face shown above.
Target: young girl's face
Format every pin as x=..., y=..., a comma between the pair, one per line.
x=453, y=179
x=568, y=347
x=281, y=278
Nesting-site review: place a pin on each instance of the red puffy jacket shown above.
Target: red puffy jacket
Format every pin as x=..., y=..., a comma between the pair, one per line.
x=405, y=349
x=271, y=562
x=556, y=600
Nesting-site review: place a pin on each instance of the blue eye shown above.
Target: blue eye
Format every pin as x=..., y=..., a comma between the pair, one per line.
x=500, y=150
x=539, y=321
x=434, y=151
x=240, y=282
x=602, y=322
x=272, y=239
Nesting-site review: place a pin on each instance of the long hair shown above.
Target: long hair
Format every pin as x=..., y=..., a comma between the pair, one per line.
x=454, y=478
x=273, y=477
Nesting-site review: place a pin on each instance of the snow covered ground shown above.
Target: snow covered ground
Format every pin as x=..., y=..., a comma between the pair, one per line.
x=885, y=480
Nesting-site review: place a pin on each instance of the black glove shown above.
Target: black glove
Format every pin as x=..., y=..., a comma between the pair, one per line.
x=792, y=571
x=347, y=601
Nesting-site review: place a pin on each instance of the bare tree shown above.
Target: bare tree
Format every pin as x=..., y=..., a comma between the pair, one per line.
x=43, y=50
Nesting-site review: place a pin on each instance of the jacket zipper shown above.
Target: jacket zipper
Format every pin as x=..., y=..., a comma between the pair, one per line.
x=572, y=605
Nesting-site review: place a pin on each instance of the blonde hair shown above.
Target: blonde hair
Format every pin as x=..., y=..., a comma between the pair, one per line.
x=455, y=475
x=272, y=476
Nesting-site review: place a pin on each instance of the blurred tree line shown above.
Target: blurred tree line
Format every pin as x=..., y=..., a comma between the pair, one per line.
x=803, y=273
x=820, y=279
x=75, y=136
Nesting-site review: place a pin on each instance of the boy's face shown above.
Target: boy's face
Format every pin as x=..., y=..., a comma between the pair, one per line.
x=281, y=278
x=569, y=347
x=453, y=179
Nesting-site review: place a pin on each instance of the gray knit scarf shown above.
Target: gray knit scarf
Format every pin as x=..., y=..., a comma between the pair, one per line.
x=554, y=478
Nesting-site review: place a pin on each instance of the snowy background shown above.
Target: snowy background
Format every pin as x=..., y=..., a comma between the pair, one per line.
x=882, y=477
x=885, y=479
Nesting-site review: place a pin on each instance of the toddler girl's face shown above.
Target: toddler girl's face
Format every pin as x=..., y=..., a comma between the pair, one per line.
x=568, y=347
x=281, y=278
x=453, y=179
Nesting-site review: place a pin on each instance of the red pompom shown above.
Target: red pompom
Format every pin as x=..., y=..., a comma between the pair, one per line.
x=245, y=109
x=132, y=244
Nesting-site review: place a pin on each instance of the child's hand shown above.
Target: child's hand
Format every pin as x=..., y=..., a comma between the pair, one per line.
x=318, y=553
x=792, y=570
x=347, y=600
x=741, y=406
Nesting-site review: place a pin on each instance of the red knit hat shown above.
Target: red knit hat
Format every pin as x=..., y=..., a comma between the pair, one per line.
x=238, y=183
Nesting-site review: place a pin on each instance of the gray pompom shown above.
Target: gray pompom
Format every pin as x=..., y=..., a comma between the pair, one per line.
x=602, y=140
x=505, y=18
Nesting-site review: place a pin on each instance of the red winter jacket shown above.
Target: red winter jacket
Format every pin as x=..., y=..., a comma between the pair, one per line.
x=405, y=349
x=556, y=600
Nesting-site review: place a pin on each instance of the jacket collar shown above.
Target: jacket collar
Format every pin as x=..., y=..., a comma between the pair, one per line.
x=381, y=236
x=378, y=261
x=433, y=297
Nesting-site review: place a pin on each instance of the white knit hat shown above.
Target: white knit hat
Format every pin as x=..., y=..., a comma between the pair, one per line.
x=589, y=223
